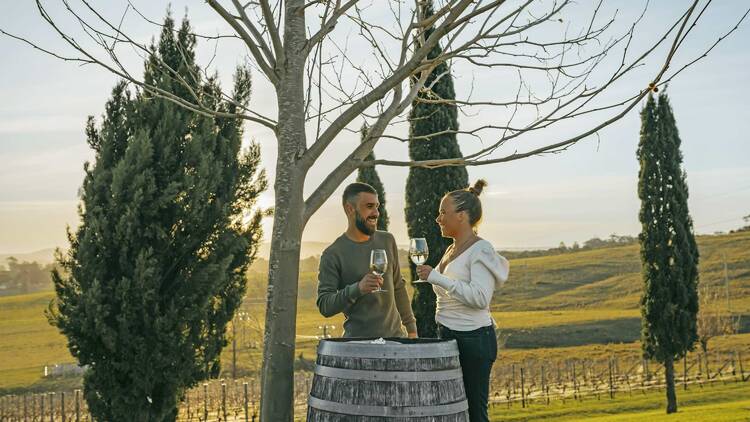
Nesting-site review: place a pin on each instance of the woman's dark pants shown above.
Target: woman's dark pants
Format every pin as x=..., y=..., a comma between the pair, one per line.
x=478, y=350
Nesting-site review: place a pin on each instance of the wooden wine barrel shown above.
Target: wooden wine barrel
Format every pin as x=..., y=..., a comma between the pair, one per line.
x=401, y=380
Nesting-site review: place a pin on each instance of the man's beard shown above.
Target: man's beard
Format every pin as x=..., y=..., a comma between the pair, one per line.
x=362, y=224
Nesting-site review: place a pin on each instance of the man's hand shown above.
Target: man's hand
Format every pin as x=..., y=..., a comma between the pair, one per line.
x=369, y=283
x=412, y=335
x=423, y=271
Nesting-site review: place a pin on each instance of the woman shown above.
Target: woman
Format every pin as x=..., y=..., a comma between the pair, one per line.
x=464, y=282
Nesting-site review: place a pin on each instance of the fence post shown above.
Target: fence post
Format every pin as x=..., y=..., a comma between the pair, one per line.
x=545, y=388
x=684, y=372
x=253, y=397
x=742, y=371
x=256, y=403
x=706, y=356
x=247, y=415
x=51, y=407
x=224, y=400
x=41, y=407
x=62, y=406
x=583, y=371
x=523, y=390
x=188, y=412
x=617, y=367
x=718, y=362
x=205, y=401
x=78, y=405
x=611, y=386
x=513, y=369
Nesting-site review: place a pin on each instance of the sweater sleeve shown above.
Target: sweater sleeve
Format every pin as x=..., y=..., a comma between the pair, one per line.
x=488, y=271
x=331, y=300
x=401, y=296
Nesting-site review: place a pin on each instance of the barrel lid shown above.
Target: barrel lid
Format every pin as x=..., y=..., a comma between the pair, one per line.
x=392, y=348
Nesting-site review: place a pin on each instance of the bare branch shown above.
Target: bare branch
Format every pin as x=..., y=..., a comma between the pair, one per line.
x=401, y=74
x=328, y=25
x=195, y=34
x=35, y=46
x=354, y=160
x=273, y=29
x=258, y=37
x=251, y=45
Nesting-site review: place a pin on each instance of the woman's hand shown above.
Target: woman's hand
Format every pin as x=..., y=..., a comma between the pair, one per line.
x=423, y=271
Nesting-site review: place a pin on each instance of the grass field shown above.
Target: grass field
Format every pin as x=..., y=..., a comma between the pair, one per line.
x=28, y=341
x=581, y=304
x=718, y=402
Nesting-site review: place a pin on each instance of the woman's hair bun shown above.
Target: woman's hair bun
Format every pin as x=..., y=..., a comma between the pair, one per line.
x=478, y=187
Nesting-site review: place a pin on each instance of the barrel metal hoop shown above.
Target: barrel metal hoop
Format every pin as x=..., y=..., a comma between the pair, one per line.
x=387, y=411
x=370, y=375
x=386, y=351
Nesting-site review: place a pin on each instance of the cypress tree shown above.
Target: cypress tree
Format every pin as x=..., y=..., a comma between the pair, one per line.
x=370, y=176
x=426, y=187
x=669, y=254
x=156, y=269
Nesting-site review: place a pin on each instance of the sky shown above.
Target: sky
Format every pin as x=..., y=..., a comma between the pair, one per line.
x=587, y=191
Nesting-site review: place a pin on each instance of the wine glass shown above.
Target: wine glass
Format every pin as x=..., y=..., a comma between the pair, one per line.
x=418, y=252
x=378, y=265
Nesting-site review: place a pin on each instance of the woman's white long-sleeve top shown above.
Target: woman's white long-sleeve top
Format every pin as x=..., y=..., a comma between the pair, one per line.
x=464, y=290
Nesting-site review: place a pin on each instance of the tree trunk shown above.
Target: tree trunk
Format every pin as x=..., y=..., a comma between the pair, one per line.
x=277, y=395
x=669, y=375
x=704, y=346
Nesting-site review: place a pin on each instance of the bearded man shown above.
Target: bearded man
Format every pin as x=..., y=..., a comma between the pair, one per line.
x=374, y=305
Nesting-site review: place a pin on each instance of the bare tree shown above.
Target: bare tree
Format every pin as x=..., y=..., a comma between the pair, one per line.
x=307, y=50
x=713, y=320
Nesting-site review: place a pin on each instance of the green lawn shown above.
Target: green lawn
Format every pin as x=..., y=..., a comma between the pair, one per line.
x=719, y=402
x=28, y=341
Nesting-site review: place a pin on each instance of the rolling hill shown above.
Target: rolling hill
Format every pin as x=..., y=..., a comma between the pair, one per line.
x=557, y=305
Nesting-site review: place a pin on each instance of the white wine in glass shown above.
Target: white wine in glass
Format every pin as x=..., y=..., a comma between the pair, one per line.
x=418, y=252
x=378, y=265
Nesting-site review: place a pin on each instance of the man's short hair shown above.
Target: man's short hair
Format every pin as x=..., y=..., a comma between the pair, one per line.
x=354, y=189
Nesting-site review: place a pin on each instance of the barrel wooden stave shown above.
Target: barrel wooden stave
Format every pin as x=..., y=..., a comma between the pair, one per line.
x=378, y=393
x=320, y=416
x=375, y=364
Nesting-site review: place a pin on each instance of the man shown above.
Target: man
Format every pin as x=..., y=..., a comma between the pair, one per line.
x=345, y=282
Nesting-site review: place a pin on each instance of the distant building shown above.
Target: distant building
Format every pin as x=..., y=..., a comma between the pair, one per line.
x=63, y=369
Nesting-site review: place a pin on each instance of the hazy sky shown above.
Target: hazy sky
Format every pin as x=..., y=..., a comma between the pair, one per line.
x=589, y=190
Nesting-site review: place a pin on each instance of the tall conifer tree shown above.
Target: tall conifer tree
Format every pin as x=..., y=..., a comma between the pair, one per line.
x=370, y=176
x=157, y=267
x=669, y=254
x=426, y=187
